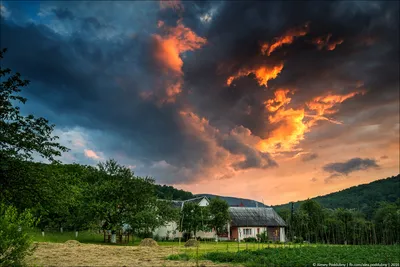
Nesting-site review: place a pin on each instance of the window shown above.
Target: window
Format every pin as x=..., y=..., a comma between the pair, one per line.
x=247, y=231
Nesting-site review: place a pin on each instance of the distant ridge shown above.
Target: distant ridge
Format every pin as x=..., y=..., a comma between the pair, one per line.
x=363, y=197
x=235, y=201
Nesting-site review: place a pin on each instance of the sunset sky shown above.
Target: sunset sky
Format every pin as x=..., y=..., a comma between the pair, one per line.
x=273, y=101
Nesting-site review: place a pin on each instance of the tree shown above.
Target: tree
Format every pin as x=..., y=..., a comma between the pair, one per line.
x=20, y=135
x=219, y=215
x=119, y=198
x=387, y=220
x=15, y=244
x=193, y=218
x=345, y=216
x=315, y=218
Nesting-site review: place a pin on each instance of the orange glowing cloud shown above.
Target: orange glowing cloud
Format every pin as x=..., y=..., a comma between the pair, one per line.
x=292, y=124
x=167, y=53
x=324, y=105
x=287, y=38
x=262, y=74
x=290, y=127
x=326, y=42
x=280, y=100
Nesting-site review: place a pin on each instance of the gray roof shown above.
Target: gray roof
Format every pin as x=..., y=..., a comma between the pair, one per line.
x=242, y=216
x=179, y=203
x=197, y=199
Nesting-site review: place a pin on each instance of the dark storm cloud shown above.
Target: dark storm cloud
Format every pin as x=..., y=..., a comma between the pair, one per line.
x=253, y=157
x=91, y=61
x=352, y=165
x=309, y=157
x=235, y=35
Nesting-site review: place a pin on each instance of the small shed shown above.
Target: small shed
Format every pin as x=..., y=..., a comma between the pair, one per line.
x=248, y=222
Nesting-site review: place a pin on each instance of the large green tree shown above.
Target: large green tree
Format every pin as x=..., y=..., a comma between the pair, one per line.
x=118, y=198
x=193, y=218
x=21, y=136
x=219, y=215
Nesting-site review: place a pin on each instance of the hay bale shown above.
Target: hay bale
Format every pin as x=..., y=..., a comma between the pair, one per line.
x=192, y=243
x=148, y=242
x=72, y=243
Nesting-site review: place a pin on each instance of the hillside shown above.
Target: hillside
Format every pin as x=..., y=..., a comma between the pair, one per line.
x=170, y=192
x=234, y=201
x=365, y=197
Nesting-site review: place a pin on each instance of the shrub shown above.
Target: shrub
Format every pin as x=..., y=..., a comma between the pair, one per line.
x=250, y=239
x=15, y=243
x=157, y=238
x=263, y=237
x=297, y=240
x=177, y=257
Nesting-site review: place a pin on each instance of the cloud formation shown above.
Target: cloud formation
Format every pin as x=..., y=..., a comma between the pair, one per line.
x=200, y=91
x=352, y=165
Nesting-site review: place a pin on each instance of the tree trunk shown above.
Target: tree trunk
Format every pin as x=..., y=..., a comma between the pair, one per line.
x=76, y=234
x=42, y=233
x=61, y=229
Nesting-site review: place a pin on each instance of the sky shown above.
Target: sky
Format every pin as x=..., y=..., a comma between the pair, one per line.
x=273, y=101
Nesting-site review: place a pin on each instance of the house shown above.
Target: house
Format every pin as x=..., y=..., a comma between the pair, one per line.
x=245, y=222
x=171, y=231
x=248, y=222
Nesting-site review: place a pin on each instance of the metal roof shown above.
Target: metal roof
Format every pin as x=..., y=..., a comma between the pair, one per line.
x=242, y=216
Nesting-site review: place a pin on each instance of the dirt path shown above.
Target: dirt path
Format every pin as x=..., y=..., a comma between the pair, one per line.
x=61, y=254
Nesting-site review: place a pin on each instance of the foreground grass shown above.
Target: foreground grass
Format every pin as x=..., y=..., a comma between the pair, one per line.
x=302, y=256
x=75, y=254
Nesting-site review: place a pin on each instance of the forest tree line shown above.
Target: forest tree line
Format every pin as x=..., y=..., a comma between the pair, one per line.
x=365, y=198
x=313, y=223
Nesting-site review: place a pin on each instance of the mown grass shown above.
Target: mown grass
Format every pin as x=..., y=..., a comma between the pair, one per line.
x=89, y=237
x=303, y=256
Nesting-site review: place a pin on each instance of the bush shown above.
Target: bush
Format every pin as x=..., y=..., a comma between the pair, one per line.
x=15, y=243
x=177, y=257
x=157, y=238
x=263, y=237
x=298, y=240
x=145, y=235
x=250, y=239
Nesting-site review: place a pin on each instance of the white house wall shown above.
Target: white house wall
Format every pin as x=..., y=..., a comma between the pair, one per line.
x=282, y=236
x=254, y=233
x=203, y=202
x=171, y=231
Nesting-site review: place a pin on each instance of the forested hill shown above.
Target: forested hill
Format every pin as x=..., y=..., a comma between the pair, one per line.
x=365, y=197
x=169, y=192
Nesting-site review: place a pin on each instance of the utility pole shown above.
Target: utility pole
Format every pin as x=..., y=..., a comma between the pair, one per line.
x=290, y=221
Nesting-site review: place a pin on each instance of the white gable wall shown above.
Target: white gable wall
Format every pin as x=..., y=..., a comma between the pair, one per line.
x=204, y=202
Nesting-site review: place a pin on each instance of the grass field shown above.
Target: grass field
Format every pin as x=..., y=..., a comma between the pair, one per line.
x=53, y=251
x=313, y=255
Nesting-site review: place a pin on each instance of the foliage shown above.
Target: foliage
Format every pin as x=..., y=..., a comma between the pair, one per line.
x=219, y=215
x=364, y=198
x=193, y=218
x=262, y=237
x=307, y=255
x=169, y=192
x=315, y=224
x=118, y=197
x=177, y=257
x=21, y=136
x=14, y=241
x=250, y=239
